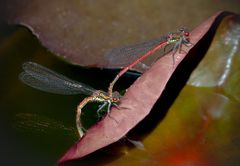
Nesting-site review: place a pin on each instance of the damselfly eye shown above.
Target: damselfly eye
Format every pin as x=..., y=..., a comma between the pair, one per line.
x=186, y=33
x=115, y=99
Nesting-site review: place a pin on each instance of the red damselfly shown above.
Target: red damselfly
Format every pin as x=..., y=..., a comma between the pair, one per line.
x=44, y=79
x=143, y=50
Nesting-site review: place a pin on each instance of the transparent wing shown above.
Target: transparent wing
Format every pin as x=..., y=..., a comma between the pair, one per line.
x=41, y=78
x=124, y=55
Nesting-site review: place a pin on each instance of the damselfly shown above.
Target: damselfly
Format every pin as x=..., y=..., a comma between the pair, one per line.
x=143, y=50
x=44, y=79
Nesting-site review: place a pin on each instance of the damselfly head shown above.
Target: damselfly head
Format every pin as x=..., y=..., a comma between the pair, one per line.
x=184, y=31
x=116, y=97
x=185, y=35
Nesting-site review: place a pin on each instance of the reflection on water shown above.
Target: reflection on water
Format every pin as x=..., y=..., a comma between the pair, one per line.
x=36, y=124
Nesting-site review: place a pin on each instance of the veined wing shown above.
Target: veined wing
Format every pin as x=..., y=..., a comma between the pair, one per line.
x=124, y=55
x=44, y=79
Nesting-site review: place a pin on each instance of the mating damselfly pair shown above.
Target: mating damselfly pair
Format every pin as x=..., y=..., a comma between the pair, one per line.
x=44, y=79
